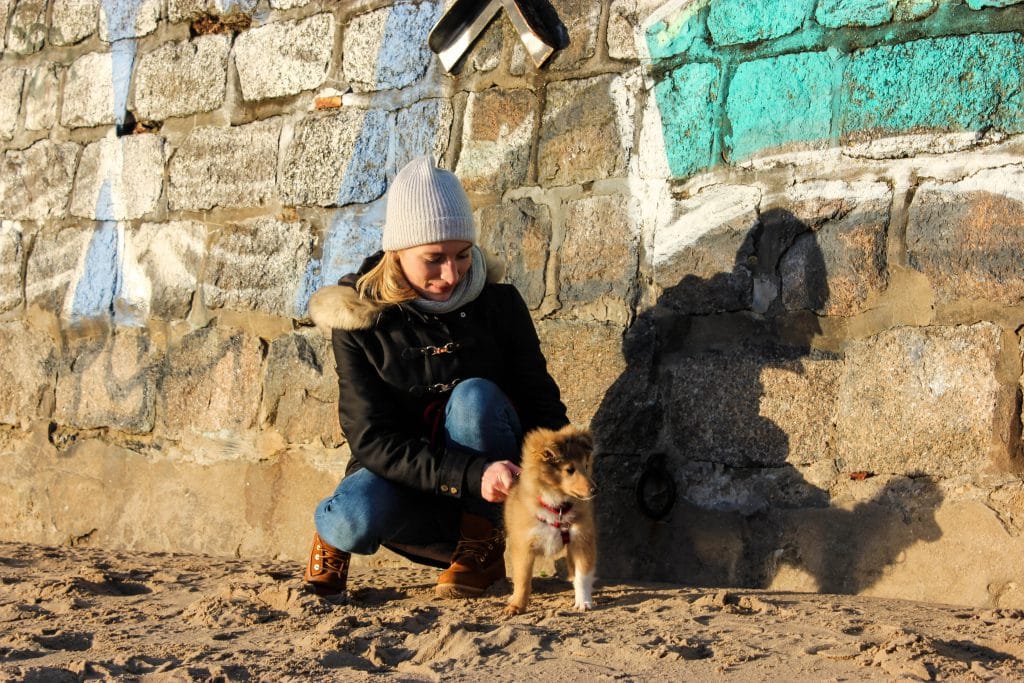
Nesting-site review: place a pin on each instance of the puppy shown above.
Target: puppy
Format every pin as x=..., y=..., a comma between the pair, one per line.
x=548, y=510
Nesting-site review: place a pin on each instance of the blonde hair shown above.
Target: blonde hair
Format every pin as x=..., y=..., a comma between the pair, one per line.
x=385, y=283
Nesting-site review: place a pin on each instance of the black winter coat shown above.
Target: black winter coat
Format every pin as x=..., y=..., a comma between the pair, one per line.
x=389, y=373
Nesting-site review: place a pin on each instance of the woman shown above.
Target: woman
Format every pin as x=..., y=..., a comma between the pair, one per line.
x=440, y=374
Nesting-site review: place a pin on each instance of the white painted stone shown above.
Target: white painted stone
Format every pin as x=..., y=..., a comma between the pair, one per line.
x=288, y=4
x=387, y=48
x=684, y=222
x=11, y=253
x=184, y=10
x=41, y=98
x=26, y=28
x=35, y=183
x=1007, y=181
x=73, y=20
x=128, y=19
x=258, y=265
x=228, y=167
x=11, y=81
x=337, y=159
x=89, y=96
x=54, y=265
x=284, y=58
x=119, y=178
x=623, y=22
x=160, y=271
x=182, y=78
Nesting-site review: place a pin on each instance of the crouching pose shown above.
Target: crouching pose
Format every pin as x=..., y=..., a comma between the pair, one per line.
x=440, y=375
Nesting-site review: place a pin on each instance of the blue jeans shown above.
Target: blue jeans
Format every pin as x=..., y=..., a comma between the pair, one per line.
x=367, y=510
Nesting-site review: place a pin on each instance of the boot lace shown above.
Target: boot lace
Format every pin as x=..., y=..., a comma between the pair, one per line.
x=333, y=560
x=479, y=549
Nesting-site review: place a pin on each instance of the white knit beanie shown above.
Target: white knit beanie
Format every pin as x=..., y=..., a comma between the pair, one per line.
x=426, y=204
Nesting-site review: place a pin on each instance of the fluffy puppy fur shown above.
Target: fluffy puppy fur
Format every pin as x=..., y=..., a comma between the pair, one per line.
x=549, y=510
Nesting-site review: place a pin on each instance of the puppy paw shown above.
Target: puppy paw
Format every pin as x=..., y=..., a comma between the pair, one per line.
x=584, y=605
x=512, y=610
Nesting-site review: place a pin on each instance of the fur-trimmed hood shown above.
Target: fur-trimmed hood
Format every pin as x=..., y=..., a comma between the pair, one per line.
x=340, y=306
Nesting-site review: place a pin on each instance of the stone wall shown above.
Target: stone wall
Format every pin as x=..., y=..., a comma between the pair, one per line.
x=772, y=250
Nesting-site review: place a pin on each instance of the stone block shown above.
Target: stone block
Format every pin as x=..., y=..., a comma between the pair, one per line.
x=982, y=4
x=93, y=89
x=109, y=382
x=687, y=98
x=182, y=78
x=387, y=48
x=518, y=232
x=421, y=129
x=119, y=179
x=28, y=372
x=11, y=82
x=12, y=260
x=35, y=183
x=161, y=265
x=41, y=98
x=497, y=136
x=954, y=83
x=300, y=390
x=967, y=237
x=210, y=384
x=582, y=20
x=227, y=167
x=121, y=20
x=840, y=266
x=585, y=132
x=701, y=249
x=912, y=10
x=288, y=4
x=73, y=20
x=734, y=22
x=54, y=264
x=771, y=407
x=26, y=28
x=923, y=401
x=337, y=159
x=98, y=275
x=353, y=234
x=598, y=258
x=583, y=384
x=186, y=10
x=284, y=58
x=259, y=265
x=623, y=22
x=842, y=13
x=779, y=100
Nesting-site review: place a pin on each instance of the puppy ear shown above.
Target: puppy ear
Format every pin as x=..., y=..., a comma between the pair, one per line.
x=549, y=454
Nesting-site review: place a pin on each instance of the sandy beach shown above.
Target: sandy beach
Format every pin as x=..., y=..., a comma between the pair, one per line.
x=75, y=613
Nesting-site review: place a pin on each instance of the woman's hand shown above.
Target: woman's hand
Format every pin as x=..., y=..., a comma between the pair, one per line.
x=498, y=479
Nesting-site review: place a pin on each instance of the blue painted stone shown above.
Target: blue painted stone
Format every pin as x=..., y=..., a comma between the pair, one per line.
x=688, y=100
x=775, y=101
x=675, y=34
x=733, y=22
x=982, y=4
x=838, y=13
x=956, y=83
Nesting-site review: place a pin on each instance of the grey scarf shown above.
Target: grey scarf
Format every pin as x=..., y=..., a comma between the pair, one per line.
x=468, y=288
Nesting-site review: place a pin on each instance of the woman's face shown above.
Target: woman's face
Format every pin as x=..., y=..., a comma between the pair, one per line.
x=433, y=270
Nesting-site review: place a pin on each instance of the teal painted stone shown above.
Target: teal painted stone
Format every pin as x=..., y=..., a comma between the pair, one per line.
x=912, y=10
x=746, y=21
x=982, y=4
x=674, y=35
x=688, y=99
x=779, y=100
x=956, y=83
x=838, y=13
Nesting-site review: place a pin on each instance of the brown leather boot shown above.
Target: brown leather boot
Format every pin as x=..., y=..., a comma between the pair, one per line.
x=478, y=561
x=327, y=570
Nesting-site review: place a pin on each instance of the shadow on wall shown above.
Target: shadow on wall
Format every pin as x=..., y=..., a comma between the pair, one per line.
x=715, y=444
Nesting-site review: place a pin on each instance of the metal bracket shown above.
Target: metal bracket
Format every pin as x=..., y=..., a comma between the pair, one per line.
x=536, y=21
